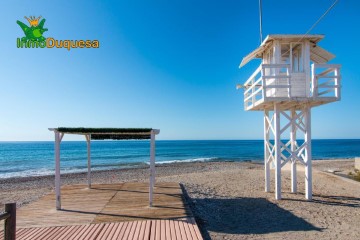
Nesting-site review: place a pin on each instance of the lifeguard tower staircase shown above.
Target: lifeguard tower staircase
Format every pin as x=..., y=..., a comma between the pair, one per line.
x=293, y=77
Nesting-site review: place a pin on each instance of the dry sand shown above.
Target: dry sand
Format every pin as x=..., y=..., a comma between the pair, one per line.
x=229, y=202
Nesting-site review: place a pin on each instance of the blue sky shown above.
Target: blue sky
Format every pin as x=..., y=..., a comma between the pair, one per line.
x=171, y=65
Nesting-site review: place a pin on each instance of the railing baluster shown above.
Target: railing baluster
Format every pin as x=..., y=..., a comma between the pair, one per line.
x=314, y=89
x=263, y=83
x=326, y=74
x=289, y=81
x=337, y=83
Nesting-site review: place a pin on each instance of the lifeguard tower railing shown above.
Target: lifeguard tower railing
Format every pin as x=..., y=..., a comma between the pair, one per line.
x=273, y=83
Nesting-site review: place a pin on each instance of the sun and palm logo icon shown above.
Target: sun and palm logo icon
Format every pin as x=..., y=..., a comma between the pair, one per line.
x=36, y=29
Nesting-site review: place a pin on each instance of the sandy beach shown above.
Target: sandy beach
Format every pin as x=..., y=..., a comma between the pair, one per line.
x=229, y=202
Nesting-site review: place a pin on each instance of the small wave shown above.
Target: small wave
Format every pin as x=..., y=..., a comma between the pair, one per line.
x=66, y=170
x=28, y=173
x=187, y=160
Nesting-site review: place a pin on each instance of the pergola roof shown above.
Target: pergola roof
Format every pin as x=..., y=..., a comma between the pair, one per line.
x=109, y=133
x=317, y=54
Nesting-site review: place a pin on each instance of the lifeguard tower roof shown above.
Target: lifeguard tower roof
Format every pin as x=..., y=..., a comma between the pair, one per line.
x=317, y=54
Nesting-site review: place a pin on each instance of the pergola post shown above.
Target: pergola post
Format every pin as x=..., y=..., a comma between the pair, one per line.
x=152, y=167
x=58, y=138
x=88, y=138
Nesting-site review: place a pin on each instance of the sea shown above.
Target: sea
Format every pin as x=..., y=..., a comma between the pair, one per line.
x=23, y=159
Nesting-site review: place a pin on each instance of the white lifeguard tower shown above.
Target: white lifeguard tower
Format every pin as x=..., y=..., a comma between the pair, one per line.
x=292, y=78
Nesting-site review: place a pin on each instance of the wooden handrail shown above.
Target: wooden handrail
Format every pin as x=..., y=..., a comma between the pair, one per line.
x=257, y=87
x=332, y=85
x=326, y=65
x=4, y=216
x=281, y=65
x=257, y=71
x=10, y=221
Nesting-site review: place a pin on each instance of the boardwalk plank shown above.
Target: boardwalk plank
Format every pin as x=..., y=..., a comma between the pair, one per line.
x=172, y=230
x=107, y=231
x=23, y=233
x=132, y=230
x=118, y=229
x=29, y=234
x=82, y=231
x=93, y=233
x=158, y=230
x=54, y=233
x=44, y=234
x=153, y=230
x=142, y=230
x=127, y=231
x=78, y=233
x=123, y=230
x=137, y=230
x=196, y=229
x=39, y=234
x=103, y=231
x=182, y=229
x=112, y=234
x=167, y=230
x=66, y=232
x=19, y=232
x=147, y=230
x=177, y=230
x=187, y=230
x=192, y=230
x=162, y=230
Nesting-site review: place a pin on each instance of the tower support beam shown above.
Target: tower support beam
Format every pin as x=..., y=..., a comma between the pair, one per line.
x=308, y=157
x=266, y=151
x=282, y=151
x=277, y=152
x=293, y=149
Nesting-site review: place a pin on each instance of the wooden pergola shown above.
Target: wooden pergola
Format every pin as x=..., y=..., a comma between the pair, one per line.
x=104, y=134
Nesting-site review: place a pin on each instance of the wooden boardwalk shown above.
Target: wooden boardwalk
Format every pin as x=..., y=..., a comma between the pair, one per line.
x=105, y=203
x=109, y=211
x=185, y=229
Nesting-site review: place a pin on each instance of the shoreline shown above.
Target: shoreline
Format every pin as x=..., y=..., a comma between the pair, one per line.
x=145, y=166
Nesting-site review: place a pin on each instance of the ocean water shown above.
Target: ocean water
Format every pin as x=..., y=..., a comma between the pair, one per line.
x=21, y=159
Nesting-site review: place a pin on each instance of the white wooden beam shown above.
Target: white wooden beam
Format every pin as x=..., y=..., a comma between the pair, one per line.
x=266, y=151
x=88, y=143
x=293, y=149
x=277, y=152
x=337, y=84
x=57, y=170
x=307, y=69
x=308, y=166
x=152, y=167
